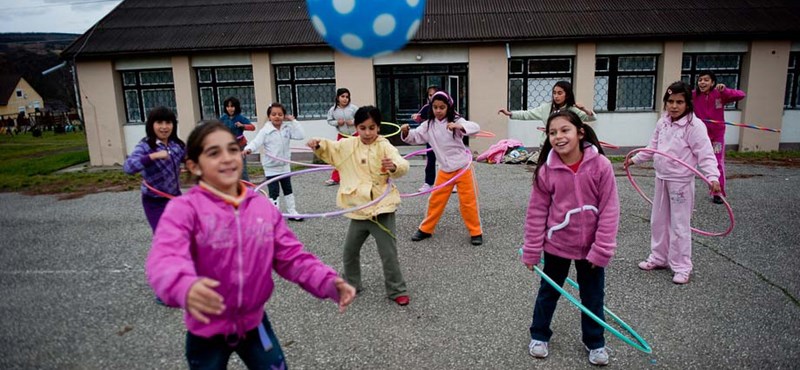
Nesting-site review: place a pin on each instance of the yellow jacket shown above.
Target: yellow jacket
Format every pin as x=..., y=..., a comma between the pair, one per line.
x=362, y=181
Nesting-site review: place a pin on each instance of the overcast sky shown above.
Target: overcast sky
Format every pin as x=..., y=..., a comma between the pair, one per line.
x=68, y=16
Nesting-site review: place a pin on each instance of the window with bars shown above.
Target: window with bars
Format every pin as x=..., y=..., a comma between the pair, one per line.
x=215, y=84
x=625, y=83
x=727, y=68
x=307, y=91
x=147, y=89
x=791, y=99
x=531, y=80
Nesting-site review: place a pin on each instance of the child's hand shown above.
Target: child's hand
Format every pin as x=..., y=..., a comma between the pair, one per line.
x=288, y=117
x=404, y=128
x=715, y=188
x=530, y=267
x=239, y=124
x=246, y=152
x=720, y=87
x=346, y=293
x=629, y=162
x=504, y=111
x=388, y=165
x=162, y=154
x=416, y=117
x=583, y=108
x=202, y=299
x=313, y=144
x=340, y=121
x=452, y=126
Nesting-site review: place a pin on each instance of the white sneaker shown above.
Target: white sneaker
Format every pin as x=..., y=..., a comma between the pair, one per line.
x=598, y=356
x=455, y=189
x=424, y=187
x=538, y=349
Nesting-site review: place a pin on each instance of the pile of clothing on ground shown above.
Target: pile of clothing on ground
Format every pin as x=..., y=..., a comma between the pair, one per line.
x=508, y=151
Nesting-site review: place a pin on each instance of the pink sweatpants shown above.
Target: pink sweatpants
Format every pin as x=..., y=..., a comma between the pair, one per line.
x=671, y=239
x=716, y=133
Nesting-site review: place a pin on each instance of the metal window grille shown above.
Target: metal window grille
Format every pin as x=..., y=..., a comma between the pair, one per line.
x=147, y=89
x=531, y=80
x=727, y=68
x=791, y=98
x=625, y=83
x=307, y=91
x=219, y=83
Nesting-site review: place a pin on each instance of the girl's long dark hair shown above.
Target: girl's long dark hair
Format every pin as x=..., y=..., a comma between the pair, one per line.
x=589, y=136
x=569, y=96
x=339, y=92
x=194, y=146
x=161, y=114
x=237, y=107
x=705, y=73
x=367, y=112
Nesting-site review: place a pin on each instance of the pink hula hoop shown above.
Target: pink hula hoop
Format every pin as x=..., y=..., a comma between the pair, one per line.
x=437, y=187
x=170, y=196
x=695, y=171
x=300, y=163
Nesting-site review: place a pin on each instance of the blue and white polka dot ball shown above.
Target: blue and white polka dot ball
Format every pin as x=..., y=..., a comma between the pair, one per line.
x=366, y=28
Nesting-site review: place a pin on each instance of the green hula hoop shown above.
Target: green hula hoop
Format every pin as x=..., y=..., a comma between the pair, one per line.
x=382, y=123
x=641, y=345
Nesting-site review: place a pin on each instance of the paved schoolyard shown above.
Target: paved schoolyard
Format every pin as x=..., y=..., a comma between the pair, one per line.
x=74, y=295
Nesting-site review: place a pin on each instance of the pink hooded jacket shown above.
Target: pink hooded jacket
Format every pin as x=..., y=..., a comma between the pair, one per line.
x=573, y=215
x=200, y=235
x=711, y=105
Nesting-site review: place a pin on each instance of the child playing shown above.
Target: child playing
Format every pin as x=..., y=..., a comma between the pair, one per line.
x=444, y=132
x=710, y=99
x=366, y=163
x=237, y=124
x=274, y=138
x=681, y=134
x=158, y=156
x=573, y=214
x=341, y=116
x=424, y=114
x=214, y=253
x=563, y=99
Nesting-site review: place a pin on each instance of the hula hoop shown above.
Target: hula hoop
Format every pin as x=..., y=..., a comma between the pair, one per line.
x=483, y=133
x=695, y=171
x=382, y=123
x=170, y=196
x=300, y=163
x=641, y=345
x=326, y=214
x=437, y=187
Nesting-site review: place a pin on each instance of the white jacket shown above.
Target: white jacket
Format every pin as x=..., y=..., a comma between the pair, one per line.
x=276, y=143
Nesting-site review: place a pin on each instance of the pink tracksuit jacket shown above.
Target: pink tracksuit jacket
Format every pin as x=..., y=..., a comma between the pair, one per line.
x=201, y=235
x=573, y=215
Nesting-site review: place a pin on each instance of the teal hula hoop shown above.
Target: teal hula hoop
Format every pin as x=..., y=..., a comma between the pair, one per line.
x=641, y=345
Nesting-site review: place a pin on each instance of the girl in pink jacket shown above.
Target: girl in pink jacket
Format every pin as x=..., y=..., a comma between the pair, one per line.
x=573, y=214
x=681, y=134
x=213, y=254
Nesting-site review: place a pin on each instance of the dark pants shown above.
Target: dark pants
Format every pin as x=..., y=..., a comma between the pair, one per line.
x=214, y=352
x=245, y=176
x=357, y=234
x=153, y=208
x=430, y=166
x=274, y=189
x=591, y=282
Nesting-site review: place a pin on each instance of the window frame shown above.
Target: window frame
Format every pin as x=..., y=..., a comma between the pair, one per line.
x=215, y=85
x=692, y=71
x=293, y=82
x=140, y=87
x=526, y=74
x=613, y=73
x=20, y=93
x=793, y=82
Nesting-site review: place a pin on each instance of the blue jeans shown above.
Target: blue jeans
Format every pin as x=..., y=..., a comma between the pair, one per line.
x=213, y=353
x=591, y=280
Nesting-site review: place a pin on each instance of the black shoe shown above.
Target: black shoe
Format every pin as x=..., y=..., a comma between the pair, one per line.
x=295, y=219
x=419, y=235
x=476, y=240
x=717, y=200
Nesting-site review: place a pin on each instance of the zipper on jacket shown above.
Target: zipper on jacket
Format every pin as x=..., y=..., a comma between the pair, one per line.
x=579, y=193
x=240, y=257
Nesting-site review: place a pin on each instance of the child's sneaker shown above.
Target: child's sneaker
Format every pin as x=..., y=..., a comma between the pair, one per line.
x=680, y=278
x=598, y=356
x=424, y=187
x=647, y=266
x=538, y=349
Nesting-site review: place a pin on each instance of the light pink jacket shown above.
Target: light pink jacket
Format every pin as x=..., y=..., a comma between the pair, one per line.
x=200, y=235
x=685, y=139
x=449, y=149
x=573, y=215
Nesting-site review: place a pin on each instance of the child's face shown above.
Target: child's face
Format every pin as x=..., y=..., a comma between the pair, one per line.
x=564, y=137
x=559, y=95
x=676, y=105
x=705, y=83
x=343, y=99
x=368, y=131
x=221, y=161
x=430, y=93
x=163, y=129
x=276, y=116
x=230, y=109
x=439, y=109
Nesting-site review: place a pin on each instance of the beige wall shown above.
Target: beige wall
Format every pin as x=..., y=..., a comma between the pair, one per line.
x=356, y=74
x=29, y=96
x=488, y=92
x=263, y=84
x=101, y=97
x=186, y=96
x=669, y=66
x=764, y=81
x=583, y=84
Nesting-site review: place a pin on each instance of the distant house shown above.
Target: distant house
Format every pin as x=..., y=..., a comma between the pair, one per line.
x=619, y=54
x=17, y=95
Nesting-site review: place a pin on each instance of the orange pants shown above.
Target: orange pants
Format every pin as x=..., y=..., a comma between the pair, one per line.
x=467, y=197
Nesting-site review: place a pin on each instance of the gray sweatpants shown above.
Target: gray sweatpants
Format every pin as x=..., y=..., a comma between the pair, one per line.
x=357, y=234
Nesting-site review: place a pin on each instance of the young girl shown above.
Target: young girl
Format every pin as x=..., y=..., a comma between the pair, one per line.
x=238, y=124
x=274, y=139
x=424, y=114
x=341, y=116
x=710, y=99
x=563, y=99
x=681, y=134
x=444, y=132
x=573, y=214
x=158, y=156
x=214, y=253
x=366, y=163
